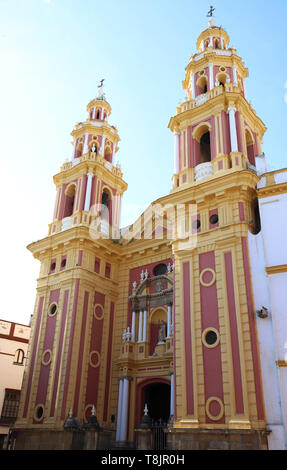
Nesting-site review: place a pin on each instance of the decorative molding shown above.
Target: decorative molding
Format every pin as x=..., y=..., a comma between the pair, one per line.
x=276, y=269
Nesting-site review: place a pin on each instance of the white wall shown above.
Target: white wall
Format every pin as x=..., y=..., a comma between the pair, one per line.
x=273, y=211
x=267, y=345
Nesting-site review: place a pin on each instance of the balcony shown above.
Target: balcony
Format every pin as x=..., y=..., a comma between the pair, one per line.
x=204, y=97
x=204, y=170
x=92, y=156
x=66, y=223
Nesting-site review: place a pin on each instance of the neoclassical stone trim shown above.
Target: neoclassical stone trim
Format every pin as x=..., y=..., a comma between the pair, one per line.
x=210, y=283
x=207, y=406
x=92, y=362
x=44, y=361
x=101, y=316
x=203, y=336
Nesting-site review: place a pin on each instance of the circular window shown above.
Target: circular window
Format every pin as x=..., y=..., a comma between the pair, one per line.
x=160, y=269
x=222, y=69
x=213, y=219
x=53, y=310
x=210, y=337
x=39, y=412
x=196, y=224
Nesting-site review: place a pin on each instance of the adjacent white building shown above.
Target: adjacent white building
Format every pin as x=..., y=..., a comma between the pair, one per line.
x=268, y=259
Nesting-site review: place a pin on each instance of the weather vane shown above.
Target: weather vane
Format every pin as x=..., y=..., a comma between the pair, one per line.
x=101, y=83
x=210, y=13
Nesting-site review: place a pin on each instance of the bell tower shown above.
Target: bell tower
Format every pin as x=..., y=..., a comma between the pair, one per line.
x=218, y=136
x=215, y=129
x=90, y=185
x=68, y=375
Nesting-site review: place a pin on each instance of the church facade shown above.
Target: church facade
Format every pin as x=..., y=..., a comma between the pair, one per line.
x=153, y=329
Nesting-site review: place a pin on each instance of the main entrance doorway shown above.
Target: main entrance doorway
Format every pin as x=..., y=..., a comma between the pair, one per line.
x=157, y=398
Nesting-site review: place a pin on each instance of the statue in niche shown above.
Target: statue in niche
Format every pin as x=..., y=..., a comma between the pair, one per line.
x=161, y=332
x=94, y=149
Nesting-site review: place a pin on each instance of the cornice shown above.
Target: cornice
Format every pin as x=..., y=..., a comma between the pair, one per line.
x=213, y=105
x=276, y=269
x=274, y=190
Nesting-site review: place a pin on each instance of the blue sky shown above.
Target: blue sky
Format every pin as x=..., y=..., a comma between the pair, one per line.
x=53, y=55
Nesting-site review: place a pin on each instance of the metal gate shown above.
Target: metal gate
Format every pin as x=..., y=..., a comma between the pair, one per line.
x=158, y=435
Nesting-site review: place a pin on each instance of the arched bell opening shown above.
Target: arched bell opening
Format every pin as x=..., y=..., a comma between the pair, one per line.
x=250, y=146
x=70, y=194
x=106, y=211
x=205, y=148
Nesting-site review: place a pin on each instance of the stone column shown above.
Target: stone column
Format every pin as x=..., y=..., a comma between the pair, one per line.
x=74, y=148
x=125, y=409
x=234, y=69
x=133, y=326
x=171, y=395
x=176, y=152
x=56, y=204
x=88, y=191
x=168, y=320
x=192, y=85
x=102, y=150
x=85, y=147
x=211, y=78
x=233, y=131
x=140, y=327
x=120, y=399
x=144, y=326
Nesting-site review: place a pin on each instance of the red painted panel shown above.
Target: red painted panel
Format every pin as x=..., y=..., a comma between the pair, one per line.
x=253, y=332
x=48, y=344
x=59, y=356
x=213, y=381
x=81, y=353
x=241, y=211
x=71, y=340
x=174, y=333
x=33, y=355
x=109, y=360
x=80, y=258
x=188, y=342
x=239, y=405
x=95, y=345
x=226, y=133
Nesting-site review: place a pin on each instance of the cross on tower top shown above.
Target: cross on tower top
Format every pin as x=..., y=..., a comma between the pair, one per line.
x=210, y=13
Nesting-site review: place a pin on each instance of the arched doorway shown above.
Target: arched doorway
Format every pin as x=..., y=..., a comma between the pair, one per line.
x=157, y=398
x=155, y=394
